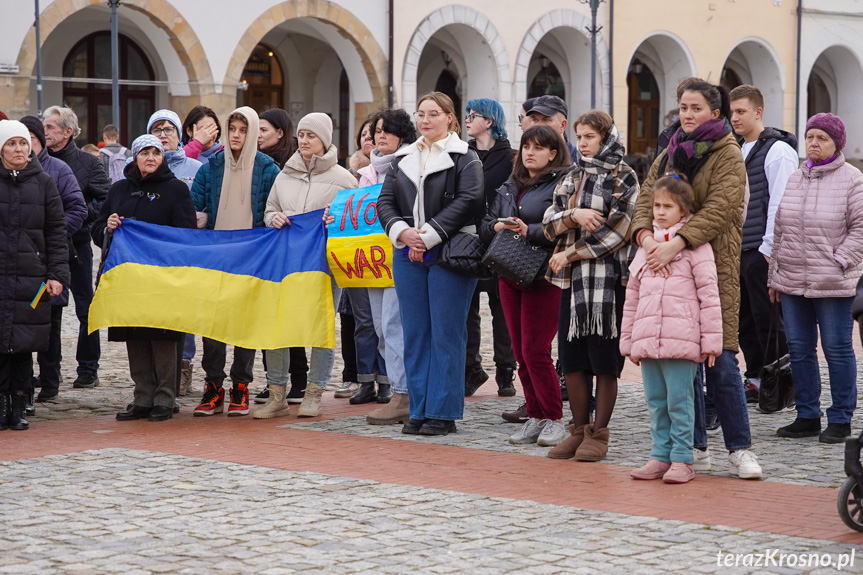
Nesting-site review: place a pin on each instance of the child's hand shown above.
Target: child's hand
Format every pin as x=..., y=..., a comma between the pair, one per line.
x=634, y=360
x=710, y=358
x=328, y=219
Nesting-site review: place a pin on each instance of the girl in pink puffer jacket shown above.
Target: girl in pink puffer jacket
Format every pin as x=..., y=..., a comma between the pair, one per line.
x=672, y=320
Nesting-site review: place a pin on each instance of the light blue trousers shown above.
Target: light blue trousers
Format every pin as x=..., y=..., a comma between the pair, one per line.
x=671, y=403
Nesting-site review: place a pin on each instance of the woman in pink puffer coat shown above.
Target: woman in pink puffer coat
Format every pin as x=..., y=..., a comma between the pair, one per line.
x=670, y=324
x=814, y=267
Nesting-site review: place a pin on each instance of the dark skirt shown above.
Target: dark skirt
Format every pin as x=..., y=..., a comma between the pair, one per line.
x=591, y=354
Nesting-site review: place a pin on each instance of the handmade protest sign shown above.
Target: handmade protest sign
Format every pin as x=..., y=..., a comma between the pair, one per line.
x=358, y=251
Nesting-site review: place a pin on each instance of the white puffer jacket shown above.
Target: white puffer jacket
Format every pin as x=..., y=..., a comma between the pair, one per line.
x=818, y=239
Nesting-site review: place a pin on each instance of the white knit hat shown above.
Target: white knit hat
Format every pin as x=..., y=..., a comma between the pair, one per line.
x=320, y=124
x=13, y=129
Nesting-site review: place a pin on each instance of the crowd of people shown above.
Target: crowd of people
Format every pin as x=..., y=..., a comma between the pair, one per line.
x=727, y=244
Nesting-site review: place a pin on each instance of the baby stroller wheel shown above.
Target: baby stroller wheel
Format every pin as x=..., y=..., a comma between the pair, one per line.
x=850, y=504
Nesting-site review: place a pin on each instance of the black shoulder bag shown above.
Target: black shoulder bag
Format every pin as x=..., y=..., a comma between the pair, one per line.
x=777, y=386
x=463, y=252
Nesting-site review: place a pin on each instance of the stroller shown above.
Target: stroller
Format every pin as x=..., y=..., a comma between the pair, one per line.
x=850, y=499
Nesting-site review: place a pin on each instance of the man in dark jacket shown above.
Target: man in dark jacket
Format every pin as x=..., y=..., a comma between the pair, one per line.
x=771, y=157
x=75, y=212
x=61, y=126
x=33, y=256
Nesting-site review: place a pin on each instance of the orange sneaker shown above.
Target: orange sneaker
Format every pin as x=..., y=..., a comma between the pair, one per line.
x=212, y=402
x=239, y=400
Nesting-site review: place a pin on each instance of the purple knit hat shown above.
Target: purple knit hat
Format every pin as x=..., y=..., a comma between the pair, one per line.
x=832, y=125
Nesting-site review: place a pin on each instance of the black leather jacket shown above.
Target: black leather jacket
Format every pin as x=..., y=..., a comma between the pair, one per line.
x=535, y=201
x=445, y=213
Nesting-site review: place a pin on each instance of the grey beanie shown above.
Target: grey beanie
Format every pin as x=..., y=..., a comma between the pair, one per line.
x=320, y=124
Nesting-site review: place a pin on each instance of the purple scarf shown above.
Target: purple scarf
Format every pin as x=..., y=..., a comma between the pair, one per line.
x=685, y=151
x=810, y=164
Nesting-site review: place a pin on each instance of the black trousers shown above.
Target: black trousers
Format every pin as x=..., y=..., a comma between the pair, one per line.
x=15, y=370
x=215, y=356
x=756, y=310
x=349, y=348
x=503, y=356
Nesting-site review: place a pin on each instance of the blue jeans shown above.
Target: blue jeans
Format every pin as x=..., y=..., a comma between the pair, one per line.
x=832, y=317
x=370, y=363
x=670, y=401
x=391, y=339
x=726, y=385
x=321, y=367
x=434, y=303
x=189, y=346
x=89, y=349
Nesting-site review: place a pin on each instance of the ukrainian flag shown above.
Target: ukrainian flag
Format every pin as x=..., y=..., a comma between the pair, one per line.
x=258, y=289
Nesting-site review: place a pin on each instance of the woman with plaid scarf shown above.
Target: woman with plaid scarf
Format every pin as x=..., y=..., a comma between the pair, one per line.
x=590, y=218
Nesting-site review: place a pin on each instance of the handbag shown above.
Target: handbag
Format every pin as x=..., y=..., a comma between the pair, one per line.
x=463, y=252
x=777, y=386
x=511, y=256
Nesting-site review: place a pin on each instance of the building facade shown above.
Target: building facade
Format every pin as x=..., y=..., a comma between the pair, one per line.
x=333, y=56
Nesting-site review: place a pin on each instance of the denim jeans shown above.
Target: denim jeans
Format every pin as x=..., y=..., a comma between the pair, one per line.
x=434, y=304
x=832, y=317
x=726, y=385
x=700, y=422
x=370, y=363
x=81, y=286
x=279, y=360
x=189, y=346
x=391, y=340
x=670, y=401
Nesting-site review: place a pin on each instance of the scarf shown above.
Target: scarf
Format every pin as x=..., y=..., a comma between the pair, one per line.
x=592, y=305
x=381, y=163
x=685, y=151
x=235, y=202
x=810, y=164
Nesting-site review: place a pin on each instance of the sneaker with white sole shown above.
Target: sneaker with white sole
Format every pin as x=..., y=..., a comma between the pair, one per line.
x=701, y=460
x=529, y=432
x=744, y=464
x=553, y=433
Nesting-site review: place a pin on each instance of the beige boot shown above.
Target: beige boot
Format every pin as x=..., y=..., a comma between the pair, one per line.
x=311, y=406
x=186, y=377
x=276, y=405
x=566, y=448
x=396, y=411
x=595, y=445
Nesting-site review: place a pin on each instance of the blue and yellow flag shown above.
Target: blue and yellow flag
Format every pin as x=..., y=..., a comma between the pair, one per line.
x=258, y=289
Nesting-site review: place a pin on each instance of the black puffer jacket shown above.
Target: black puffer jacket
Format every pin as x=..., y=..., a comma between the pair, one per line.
x=92, y=179
x=445, y=213
x=496, y=166
x=159, y=198
x=33, y=249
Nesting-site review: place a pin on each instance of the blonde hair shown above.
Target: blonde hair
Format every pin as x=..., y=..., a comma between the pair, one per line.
x=445, y=103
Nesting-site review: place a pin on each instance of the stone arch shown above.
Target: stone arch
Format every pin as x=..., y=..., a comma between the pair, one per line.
x=576, y=22
x=197, y=78
x=757, y=63
x=365, y=63
x=457, y=16
x=836, y=54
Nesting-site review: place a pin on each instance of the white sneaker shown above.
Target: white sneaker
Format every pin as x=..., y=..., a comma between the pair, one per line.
x=701, y=459
x=529, y=432
x=744, y=464
x=553, y=433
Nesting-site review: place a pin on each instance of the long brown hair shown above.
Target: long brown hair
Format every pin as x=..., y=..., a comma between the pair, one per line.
x=445, y=103
x=543, y=136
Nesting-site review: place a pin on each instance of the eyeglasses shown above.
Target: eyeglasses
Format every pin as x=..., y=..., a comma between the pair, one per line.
x=473, y=116
x=420, y=116
x=168, y=131
x=520, y=118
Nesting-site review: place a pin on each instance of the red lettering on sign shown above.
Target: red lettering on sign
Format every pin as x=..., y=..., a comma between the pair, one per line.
x=379, y=258
x=352, y=213
x=350, y=271
x=374, y=207
x=361, y=262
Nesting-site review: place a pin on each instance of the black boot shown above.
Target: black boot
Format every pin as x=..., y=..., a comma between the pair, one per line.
x=473, y=379
x=30, y=406
x=299, y=381
x=18, y=420
x=385, y=393
x=503, y=377
x=5, y=410
x=366, y=394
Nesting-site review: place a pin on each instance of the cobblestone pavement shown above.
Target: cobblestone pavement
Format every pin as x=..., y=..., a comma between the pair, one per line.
x=136, y=512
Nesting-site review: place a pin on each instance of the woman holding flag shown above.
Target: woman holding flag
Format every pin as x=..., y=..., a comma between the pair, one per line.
x=149, y=193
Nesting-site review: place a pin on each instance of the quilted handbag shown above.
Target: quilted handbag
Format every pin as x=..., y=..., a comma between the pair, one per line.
x=512, y=256
x=463, y=254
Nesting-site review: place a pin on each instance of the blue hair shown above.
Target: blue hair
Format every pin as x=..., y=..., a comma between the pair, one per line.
x=492, y=110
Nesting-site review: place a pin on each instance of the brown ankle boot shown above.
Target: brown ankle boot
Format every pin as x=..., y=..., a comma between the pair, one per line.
x=595, y=445
x=566, y=448
x=396, y=411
